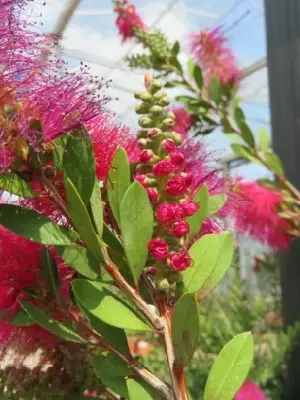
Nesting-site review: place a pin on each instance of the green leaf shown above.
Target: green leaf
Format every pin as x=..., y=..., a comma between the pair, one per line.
x=239, y=115
x=197, y=74
x=176, y=48
x=136, y=391
x=81, y=219
x=247, y=134
x=49, y=273
x=81, y=259
x=136, y=222
x=245, y=152
x=96, y=209
x=51, y=325
x=14, y=184
x=79, y=163
x=22, y=318
x=111, y=240
x=174, y=61
x=116, y=380
x=196, y=221
x=118, y=181
x=59, y=151
x=187, y=99
x=106, y=306
x=215, y=89
x=185, y=328
x=264, y=140
x=224, y=249
x=215, y=203
x=191, y=66
x=114, y=336
x=274, y=163
x=208, y=253
x=34, y=226
x=230, y=368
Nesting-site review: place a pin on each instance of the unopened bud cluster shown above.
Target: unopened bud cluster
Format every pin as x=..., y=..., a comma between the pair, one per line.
x=161, y=171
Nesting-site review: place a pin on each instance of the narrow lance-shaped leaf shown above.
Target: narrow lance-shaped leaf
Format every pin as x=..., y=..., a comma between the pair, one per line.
x=196, y=221
x=230, y=368
x=215, y=203
x=81, y=219
x=22, y=318
x=197, y=74
x=106, y=306
x=34, y=226
x=79, y=163
x=215, y=89
x=136, y=217
x=274, y=163
x=81, y=259
x=14, y=184
x=245, y=152
x=136, y=391
x=59, y=150
x=51, y=325
x=264, y=140
x=224, y=251
x=185, y=328
x=97, y=209
x=49, y=273
x=118, y=181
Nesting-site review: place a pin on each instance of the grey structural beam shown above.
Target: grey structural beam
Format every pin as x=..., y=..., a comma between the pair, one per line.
x=283, y=49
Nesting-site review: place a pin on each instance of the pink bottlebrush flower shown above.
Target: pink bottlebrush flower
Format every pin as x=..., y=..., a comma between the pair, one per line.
x=168, y=212
x=127, y=19
x=142, y=179
x=163, y=168
x=179, y=228
x=210, y=49
x=250, y=391
x=145, y=156
x=180, y=261
x=168, y=145
x=153, y=194
x=183, y=120
x=151, y=271
x=257, y=214
x=189, y=208
x=158, y=248
x=176, y=186
x=177, y=158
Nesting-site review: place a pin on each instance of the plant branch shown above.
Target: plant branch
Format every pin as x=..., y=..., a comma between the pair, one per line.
x=154, y=319
x=176, y=374
x=54, y=193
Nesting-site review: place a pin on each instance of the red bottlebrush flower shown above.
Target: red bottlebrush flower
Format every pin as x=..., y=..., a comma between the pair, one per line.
x=151, y=271
x=127, y=19
x=168, y=212
x=177, y=159
x=180, y=261
x=180, y=228
x=189, y=208
x=176, y=186
x=168, y=145
x=141, y=179
x=211, y=51
x=183, y=120
x=158, y=248
x=257, y=214
x=153, y=194
x=189, y=178
x=250, y=391
x=163, y=168
x=145, y=156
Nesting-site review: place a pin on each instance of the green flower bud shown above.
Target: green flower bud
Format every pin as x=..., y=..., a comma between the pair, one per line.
x=168, y=123
x=137, y=95
x=145, y=122
x=160, y=95
x=146, y=96
x=171, y=115
x=164, y=101
x=155, y=87
x=142, y=134
x=142, y=108
x=164, y=285
x=174, y=136
x=156, y=110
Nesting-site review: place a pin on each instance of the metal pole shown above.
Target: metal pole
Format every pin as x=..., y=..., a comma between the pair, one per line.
x=283, y=45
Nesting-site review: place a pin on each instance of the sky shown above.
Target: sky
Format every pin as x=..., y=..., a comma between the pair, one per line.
x=92, y=36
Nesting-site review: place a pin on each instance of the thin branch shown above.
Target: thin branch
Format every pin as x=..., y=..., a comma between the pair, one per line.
x=155, y=320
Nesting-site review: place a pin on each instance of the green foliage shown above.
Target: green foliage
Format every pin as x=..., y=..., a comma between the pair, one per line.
x=230, y=368
x=14, y=184
x=196, y=221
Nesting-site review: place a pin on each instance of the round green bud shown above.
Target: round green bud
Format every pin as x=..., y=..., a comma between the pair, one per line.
x=137, y=95
x=164, y=285
x=159, y=95
x=156, y=110
x=146, y=96
x=142, y=134
x=145, y=122
x=171, y=115
x=155, y=86
x=168, y=123
x=142, y=108
x=164, y=101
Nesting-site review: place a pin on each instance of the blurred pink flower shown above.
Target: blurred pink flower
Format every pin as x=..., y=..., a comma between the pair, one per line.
x=257, y=214
x=183, y=120
x=210, y=49
x=127, y=19
x=250, y=391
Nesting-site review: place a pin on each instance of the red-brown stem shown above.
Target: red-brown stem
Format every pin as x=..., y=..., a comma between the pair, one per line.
x=131, y=292
x=176, y=374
